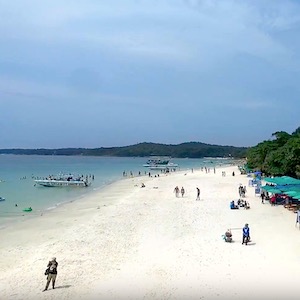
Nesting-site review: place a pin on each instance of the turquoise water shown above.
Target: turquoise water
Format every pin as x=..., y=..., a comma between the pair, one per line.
x=17, y=173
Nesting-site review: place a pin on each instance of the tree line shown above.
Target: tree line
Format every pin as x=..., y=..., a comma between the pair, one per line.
x=190, y=150
x=279, y=156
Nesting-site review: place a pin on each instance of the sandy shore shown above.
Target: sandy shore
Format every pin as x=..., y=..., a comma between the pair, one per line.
x=127, y=242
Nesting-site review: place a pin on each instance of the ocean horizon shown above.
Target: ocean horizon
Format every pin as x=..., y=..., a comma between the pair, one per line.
x=17, y=174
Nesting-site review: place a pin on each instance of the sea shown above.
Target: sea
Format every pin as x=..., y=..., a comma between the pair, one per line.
x=18, y=172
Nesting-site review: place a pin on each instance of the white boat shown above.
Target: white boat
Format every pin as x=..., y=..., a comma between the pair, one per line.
x=160, y=163
x=63, y=180
x=2, y=199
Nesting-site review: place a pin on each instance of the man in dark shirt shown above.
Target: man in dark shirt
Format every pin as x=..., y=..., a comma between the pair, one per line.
x=52, y=273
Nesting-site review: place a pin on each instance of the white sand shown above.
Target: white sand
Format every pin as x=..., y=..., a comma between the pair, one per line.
x=144, y=243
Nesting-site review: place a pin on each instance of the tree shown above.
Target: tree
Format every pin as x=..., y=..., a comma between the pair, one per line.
x=280, y=156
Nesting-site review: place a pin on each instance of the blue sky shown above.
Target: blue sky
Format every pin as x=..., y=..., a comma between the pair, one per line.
x=92, y=73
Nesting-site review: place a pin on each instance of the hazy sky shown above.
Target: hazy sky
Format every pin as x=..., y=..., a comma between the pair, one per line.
x=93, y=73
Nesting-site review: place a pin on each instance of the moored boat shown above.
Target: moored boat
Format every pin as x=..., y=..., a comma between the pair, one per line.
x=64, y=180
x=2, y=199
x=160, y=163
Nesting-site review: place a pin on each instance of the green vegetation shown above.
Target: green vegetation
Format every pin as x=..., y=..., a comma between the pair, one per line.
x=191, y=150
x=280, y=156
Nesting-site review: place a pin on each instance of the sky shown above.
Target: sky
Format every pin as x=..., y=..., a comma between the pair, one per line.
x=90, y=73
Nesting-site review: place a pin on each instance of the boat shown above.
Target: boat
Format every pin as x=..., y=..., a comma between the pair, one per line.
x=160, y=163
x=63, y=180
x=2, y=199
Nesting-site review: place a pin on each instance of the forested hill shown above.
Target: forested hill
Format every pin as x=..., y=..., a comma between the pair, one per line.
x=191, y=150
x=277, y=157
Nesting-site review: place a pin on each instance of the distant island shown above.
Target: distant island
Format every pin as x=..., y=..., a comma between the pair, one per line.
x=184, y=150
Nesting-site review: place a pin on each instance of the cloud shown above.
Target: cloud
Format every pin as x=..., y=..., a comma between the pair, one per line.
x=135, y=59
x=190, y=32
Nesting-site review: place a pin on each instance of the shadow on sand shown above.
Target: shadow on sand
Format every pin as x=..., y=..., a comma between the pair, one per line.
x=250, y=244
x=63, y=286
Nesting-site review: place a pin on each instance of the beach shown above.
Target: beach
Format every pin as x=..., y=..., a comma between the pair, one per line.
x=128, y=242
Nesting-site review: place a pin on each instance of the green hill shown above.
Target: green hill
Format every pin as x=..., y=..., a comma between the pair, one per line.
x=191, y=150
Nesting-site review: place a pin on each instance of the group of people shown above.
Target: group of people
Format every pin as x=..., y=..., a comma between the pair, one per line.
x=242, y=191
x=178, y=191
x=181, y=191
x=264, y=196
x=240, y=203
x=245, y=238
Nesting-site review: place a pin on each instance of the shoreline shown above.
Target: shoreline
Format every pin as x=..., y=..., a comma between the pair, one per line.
x=127, y=242
x=23, y=216
x=92, y=193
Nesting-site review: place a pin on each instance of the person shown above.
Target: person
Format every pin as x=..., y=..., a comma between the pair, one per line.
x=176, y=191
x=52, y=273
x=182, y=191
x=240, y=190
x=198, y=194
x=228, y=236
x=243, y=191
x=273, y=200
x=246, y=234
x=298, y=218
x=246, y=205
x=262, y=195
x=232, y=205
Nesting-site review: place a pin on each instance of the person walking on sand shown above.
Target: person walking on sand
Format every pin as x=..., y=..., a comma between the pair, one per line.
x=262, y=196
x=198, y=194
x=176, y=191
x=52, y=273
x=182, y=192
x=246, y=234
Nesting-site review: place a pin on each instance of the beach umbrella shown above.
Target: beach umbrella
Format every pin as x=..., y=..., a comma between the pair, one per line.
x=270, y=179
x=283, y=180
x=290, y=187
x=296, y=196
x=274, y=191
x=291, y=193
x=271, y=189
x=290, y=180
